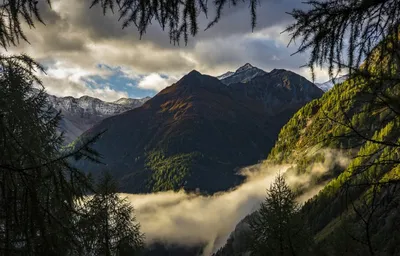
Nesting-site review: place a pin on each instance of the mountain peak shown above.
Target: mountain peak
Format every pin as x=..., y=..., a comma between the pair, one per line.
x=193, y=73
x=242, y=75
x=244, y=67
x=191, y=77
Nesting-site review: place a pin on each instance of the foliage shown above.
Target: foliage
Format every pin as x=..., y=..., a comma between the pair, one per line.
x=170, y=173
x=342, y=33
x=38, y=187
x=181, y=17
x=276, y=228
x=360, y=115
x=12, y=11
x=107, y=225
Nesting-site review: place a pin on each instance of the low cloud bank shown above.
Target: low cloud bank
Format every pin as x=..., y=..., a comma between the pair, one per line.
x=190, y=219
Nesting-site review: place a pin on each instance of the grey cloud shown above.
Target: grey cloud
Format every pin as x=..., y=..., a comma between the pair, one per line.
x=235, y=20
x=81, y=37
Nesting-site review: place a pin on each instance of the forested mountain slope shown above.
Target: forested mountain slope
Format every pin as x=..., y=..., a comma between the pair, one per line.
x=351, y=215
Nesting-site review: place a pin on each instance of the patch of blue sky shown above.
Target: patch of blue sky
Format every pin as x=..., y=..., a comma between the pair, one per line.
x=120, y=81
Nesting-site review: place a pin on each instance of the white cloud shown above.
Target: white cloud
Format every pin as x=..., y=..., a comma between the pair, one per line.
x=64, y=78
x=155, y=82
x=63, y=87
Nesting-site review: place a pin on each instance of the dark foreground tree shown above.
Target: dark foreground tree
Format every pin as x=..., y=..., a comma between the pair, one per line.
x=38, y=188
x=108, y=225
x=277, y=227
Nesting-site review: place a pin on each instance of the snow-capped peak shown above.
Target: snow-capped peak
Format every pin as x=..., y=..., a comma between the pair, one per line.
x=245, y=67
x=80, y=114
x=326, y=86
x=242, y=75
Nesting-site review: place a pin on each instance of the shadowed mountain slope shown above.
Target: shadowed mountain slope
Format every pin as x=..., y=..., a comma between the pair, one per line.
x=195, y=133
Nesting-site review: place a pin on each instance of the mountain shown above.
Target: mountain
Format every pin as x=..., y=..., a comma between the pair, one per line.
x=339, y=213
x=195, y=133
x=80, y=114
x=242, y=75
x=131, y=102
x=326, y=86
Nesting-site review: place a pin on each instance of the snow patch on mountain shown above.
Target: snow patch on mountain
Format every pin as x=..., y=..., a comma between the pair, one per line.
x=225, y=75
x=81, y=114
x=326, y=86
x=242, y=75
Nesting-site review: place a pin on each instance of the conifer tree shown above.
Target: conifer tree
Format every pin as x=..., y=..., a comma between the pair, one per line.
x=38, y=188
x=276, y=228
x=107, y=225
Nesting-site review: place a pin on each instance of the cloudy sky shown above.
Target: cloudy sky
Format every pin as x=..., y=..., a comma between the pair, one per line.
x=86, y=53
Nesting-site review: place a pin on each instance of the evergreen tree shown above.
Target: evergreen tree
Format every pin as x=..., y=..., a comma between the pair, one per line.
x=38, y=188
x=277, y=228
x=108, y=226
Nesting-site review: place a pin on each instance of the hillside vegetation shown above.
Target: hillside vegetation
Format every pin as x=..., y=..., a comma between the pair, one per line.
x=350, y=210
x=358, y=210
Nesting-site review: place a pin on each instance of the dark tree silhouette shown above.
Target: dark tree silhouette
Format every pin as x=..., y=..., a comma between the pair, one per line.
x=38, y=188
x=180, y=17
x=107, y=225
x=12, y=13
x=276, y=228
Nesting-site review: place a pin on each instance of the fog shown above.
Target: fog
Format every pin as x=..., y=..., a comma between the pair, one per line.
x=191, y=219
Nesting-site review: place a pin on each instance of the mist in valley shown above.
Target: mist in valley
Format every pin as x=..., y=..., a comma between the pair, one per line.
x=189, y=219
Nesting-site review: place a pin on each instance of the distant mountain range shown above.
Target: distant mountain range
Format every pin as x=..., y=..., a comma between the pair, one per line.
x=329, y=84
x=80, y=114
x=197, y=132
